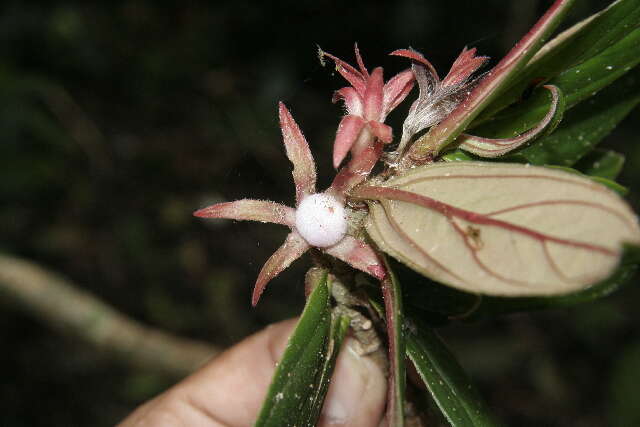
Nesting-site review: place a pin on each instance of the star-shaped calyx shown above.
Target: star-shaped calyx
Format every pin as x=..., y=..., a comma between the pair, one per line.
x=319, y=220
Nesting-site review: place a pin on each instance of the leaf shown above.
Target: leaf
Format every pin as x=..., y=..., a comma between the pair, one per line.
x=577, y=84
x=496, y=147
x=586, y=124
x=339, y=328
x=491, y=84
x=445, y=379
x=392, y=294
x=303, y=369
x=602, y=163
x=626, y=270
x=582, y=128
x=501, y=229
x=582, y=41
x=621, y=190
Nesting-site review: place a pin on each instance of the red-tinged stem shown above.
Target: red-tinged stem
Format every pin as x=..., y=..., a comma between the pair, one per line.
x=489, y=87
x=356, y=171
x=392, y=295
x=292, y=249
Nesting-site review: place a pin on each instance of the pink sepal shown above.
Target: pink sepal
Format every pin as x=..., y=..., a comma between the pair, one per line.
x=359, y=255
x=292, y=248
x=304, y=168
x=250, y=210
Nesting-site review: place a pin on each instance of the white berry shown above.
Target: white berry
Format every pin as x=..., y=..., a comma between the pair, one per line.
x=321, y=220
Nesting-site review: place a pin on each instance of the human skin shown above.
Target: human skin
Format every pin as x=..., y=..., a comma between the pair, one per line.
x=228, y=391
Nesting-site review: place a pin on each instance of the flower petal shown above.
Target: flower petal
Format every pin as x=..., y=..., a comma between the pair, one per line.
x=416, y=56
x=351, y=99
x=360, y=62
x=250, y=210
x=358, y=255
x=463, y=67
x=350, y=74
x=348, y=131
x=373, y=95
x=396, y=90
x=383, y=132
x=292, y=248
x=304, y=168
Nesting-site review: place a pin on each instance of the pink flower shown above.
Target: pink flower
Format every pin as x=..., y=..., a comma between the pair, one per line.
x=437, y=99
x=319, y=220
x=368, y=101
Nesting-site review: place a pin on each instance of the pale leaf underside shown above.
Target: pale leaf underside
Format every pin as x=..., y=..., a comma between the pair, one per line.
x=501, y=229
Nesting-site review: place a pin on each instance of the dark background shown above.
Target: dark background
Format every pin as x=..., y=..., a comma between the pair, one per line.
x=118, y=119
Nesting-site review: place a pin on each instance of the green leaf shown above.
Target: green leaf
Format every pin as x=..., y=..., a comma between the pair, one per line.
x=458, y=156
x=392, y=294
x=339, y=327
x=577, y=84
x=602, y=163
x=579, y=43
x=582, y=128
x=302, y=373
x=445, y=379
x=586, y=125
x=625, y=271
x=491, y=85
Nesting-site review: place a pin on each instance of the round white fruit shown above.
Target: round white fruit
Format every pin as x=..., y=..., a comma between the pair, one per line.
x=321, y=220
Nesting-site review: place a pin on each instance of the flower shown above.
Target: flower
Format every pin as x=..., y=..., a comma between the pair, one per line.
x=368, y=101
x=437, y=99
x=319, y=220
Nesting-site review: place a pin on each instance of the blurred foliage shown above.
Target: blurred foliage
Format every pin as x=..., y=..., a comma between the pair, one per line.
x=118, y=119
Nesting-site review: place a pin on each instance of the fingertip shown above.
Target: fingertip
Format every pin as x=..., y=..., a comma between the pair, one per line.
x=357, y=394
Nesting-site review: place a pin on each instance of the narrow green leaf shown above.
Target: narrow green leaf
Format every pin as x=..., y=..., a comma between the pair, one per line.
x=445, y=379
x=491, y=85
x=582, y=128
x=339, y=327
x=586, y=125
x=575, y=45
x=577, y=84
x=602, y=163
x=392, y=294
x=303, y=366
x=626, y=270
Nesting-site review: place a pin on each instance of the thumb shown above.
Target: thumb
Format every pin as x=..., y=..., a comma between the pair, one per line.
x=229, y=390
x=357, y=394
